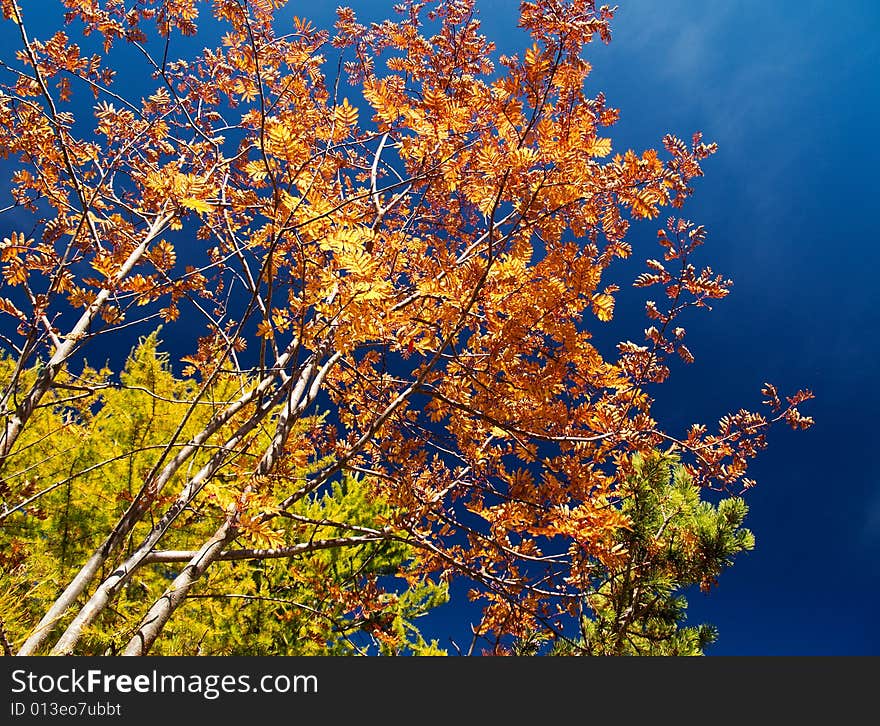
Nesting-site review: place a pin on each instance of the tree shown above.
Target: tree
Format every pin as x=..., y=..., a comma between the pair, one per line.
x=335, y=598
x=423, y=264
x=674, y=540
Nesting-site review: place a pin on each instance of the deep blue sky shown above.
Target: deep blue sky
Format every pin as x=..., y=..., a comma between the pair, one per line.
x=789, y=91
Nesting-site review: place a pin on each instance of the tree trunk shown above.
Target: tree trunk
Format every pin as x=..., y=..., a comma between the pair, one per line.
x=165, y=606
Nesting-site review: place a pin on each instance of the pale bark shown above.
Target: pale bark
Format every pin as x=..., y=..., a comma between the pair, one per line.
x=63, y=603
x=111, y=585
x=269, y=553
x=139, y=506
x=162, y=610
x=297, y=400
x=19, y=417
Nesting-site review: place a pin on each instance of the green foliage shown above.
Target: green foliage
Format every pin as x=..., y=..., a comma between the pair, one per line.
x=84, y=456
x=675, y=540
x=328, y=602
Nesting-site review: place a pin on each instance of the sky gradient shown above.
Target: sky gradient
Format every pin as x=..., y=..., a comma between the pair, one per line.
x=789, y=91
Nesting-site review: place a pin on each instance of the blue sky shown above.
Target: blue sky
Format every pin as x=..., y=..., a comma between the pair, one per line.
x=789, y=91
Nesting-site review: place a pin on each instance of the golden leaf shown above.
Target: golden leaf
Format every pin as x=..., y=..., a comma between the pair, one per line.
x=7, y=306
x=200, y=205
x=163, y=255
x=15, y=273
x=172, y=312
x=345, y=113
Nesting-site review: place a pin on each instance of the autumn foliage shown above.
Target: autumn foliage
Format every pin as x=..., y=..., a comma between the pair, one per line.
x=393, y=244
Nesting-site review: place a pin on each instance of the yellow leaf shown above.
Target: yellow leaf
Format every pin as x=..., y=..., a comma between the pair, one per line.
x=280, y=141
x=264, y=330
x=6, y=306
x=644, y=203
x=256, y=170
x=535, y=59
x=599, y=147
x=15, y=273
x=200, y=205
x=603, y=306
x=163, y=255
x=170, y=313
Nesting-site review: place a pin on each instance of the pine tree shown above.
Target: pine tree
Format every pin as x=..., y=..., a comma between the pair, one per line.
x=675, y=539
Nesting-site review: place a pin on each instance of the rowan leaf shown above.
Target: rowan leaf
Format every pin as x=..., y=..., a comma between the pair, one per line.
x=603, y=306
x=199, y=205
x=600, y=147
